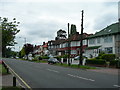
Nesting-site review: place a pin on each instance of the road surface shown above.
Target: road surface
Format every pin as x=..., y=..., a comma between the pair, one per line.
x=41, y=75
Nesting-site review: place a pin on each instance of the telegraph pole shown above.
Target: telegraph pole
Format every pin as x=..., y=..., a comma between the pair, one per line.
x=68, y=47
x=81, y=41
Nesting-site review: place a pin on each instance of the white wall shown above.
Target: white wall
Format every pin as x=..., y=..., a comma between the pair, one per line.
x=102, y=43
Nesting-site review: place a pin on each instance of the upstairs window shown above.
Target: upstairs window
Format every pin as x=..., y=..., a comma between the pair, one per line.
x=98, y=40
x=91, y=41
x=108, y=39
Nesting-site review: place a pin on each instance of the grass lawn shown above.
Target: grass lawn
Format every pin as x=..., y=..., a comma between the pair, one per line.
x=3, y=71
x=11, y=88
x=76, y=66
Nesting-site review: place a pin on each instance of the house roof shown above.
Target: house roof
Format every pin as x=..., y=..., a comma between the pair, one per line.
x=77, y=37
x=46, y=45
x=59, y=41
x=111, y=29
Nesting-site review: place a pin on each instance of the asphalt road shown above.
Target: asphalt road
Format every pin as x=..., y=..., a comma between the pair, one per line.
x=41, y=75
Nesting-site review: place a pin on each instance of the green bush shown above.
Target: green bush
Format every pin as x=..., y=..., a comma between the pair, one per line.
x=113, y=62
x=64, y=56
x=34, y=59
x=97, y=62
x=45, y=57
x=100, y=54
x=92, y=59
x=108, y=57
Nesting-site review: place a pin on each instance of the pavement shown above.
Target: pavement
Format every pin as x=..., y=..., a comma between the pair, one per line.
x=112, y=71
x=7, y=80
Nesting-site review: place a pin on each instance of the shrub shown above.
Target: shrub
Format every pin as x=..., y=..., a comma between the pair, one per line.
x=64, y=56
x=108, y=57
x=100, y=54
x=114, y=62
x=34, y=59
x=92, y=59
x=98, y=62
x=40, y=58
x=45, y=57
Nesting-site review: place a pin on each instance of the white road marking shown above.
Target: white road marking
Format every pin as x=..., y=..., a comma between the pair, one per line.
x=52, y=70
x=80, y=77
x=116, y=85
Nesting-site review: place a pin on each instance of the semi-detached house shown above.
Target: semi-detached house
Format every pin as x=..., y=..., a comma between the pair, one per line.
x=60, y=47
x=106, y=40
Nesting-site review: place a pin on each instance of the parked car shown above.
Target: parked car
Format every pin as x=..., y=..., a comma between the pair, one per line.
x=77, y=58
x=52, y=60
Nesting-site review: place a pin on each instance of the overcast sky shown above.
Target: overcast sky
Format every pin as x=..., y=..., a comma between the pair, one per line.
x=41, y=19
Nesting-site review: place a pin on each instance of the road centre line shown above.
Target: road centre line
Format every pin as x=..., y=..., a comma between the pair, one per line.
x=80, y=77
x=116, y=85
x=52, y=70
x=18, y=77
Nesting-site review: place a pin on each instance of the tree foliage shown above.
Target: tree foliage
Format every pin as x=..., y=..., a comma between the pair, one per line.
x=22, y=52
x=73, y=29
x=61, y=34
x=9, y=30
x=28, y=48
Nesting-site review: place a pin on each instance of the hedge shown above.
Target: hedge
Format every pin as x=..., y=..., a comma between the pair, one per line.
x=44, y=57
x=97, y=62
x=114, y=62
x=108, y=57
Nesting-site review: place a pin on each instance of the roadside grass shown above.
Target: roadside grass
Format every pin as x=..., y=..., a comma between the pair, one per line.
x=3, y=71
x=11, y=88
x=63, y=64
x=76, y=66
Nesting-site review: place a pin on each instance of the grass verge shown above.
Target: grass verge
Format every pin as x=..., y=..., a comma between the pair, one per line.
x=76, y=66
x=3, y=71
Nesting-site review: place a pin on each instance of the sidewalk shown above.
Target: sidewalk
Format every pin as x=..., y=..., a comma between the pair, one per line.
x=7, y=80
x=112, y=71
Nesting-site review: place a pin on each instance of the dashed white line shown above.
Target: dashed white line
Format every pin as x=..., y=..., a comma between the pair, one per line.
x=52, y=70
x=80, y=77
x=116, y=85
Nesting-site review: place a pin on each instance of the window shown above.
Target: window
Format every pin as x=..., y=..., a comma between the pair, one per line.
x=91, y=41
x=73, y=52
x=109, y=50
x=73, y=43
x=84, y=42
x=98, y=40
x=108, y=39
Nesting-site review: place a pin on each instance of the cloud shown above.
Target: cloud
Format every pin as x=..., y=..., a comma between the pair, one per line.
x=41, y=19
x=106, y=17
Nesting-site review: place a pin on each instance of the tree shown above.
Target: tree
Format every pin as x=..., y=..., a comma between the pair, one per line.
x=61, y=34
x=9, y=30
x=22, y=52
x=10, y=53
x=73, y=29
x=28, y=49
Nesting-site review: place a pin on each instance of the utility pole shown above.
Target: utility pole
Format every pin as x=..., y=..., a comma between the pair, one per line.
x=68, y=46
x=81, y=41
